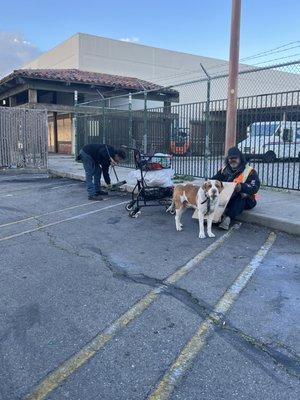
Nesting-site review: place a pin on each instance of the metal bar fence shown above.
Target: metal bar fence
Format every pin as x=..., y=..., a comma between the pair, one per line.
x=268, y=124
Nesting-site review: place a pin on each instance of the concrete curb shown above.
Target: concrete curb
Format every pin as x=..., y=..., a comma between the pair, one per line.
x=277, y=223
x=254, y=217
x=68, y=175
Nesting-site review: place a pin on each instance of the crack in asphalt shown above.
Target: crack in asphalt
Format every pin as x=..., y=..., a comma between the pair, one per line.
x=289, y=362
x=54, y=242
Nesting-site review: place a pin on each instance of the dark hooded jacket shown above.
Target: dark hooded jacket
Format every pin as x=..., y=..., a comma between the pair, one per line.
x=250, y=187
x=101, y=154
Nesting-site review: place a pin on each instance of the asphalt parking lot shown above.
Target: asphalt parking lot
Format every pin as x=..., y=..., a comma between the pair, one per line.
x=96, y=305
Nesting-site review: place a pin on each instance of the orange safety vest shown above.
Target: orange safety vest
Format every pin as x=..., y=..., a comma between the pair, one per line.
x=243, y=176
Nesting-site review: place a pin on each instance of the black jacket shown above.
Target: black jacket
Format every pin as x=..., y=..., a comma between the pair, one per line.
x=250, y=187
x=99, y=153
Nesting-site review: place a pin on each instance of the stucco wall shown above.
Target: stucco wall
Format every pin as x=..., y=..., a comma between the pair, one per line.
x=64, y=55
x=165, y=67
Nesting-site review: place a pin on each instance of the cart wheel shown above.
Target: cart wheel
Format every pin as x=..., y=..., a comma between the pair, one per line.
x=172, y=211
x=130, y=205
x=135, y=213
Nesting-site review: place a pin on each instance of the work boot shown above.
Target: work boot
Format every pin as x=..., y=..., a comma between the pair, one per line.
x=95, y=198
x=101, y=193
x=225, y=223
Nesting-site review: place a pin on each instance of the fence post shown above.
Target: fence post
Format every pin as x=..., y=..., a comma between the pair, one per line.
x=76, y=136
x=207, y=130
x=145, y=123
x=104, y=122
x=207, y=124
x=130, y=120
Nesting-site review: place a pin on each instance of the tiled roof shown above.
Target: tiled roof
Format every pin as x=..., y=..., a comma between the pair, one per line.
x=85, y=77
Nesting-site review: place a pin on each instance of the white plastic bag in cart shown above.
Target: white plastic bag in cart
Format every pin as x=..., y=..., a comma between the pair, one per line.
x=159, y=178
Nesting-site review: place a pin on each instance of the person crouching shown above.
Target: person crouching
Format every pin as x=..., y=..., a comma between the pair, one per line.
x=247, y=182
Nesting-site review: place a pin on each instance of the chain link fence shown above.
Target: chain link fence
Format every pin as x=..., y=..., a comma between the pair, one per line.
x=191, y=124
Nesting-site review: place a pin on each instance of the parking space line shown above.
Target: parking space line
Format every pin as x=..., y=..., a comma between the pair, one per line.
x=29, y=188
x=50, y=212
x=60, y=374
x=59, y=222
x=59, y=186
x=188, y=354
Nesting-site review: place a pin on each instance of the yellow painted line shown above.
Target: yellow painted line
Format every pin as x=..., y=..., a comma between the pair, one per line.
x=59, y=222
x=56, y=377
x=90, y=203
x=186, y=357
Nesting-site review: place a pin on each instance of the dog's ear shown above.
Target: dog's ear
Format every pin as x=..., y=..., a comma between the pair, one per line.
x=206, y=186
x=219, y=185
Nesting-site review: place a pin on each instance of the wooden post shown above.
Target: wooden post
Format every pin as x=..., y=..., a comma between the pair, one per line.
x=231, y=117
x=32, y=96
x=12, y=101
x=55, y=132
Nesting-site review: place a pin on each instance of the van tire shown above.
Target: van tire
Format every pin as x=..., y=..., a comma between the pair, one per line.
x=270, y=156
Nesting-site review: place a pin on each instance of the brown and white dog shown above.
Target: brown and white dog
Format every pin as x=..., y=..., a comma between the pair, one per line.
x=205, y=199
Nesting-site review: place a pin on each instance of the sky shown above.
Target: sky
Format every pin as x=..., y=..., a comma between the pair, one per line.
x=201, y=27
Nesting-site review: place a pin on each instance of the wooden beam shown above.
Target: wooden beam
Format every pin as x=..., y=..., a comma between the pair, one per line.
x=62, y=87
x=13, y=91
x=63, y=108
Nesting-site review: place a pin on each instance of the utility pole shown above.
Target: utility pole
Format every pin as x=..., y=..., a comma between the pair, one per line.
x=231, y=116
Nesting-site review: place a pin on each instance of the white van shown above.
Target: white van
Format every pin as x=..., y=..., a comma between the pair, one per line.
x=272, y=140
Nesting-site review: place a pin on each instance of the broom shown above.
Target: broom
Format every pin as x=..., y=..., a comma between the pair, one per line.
x=119, y=183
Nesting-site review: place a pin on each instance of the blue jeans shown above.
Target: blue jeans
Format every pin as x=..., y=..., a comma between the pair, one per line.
x=93, y=173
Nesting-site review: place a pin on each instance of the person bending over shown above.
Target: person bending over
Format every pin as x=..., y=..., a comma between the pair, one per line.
x=97, y=158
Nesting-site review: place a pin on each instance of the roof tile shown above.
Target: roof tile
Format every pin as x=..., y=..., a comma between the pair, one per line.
x=85, y=77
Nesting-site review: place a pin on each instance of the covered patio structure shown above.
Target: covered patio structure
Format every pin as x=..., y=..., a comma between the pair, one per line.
x=61, y=91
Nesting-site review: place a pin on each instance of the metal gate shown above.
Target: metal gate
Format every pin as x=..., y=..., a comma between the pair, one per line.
x=23, y=138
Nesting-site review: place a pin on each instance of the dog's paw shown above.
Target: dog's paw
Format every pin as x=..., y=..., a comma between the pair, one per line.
x=202, y=236
x=179, y=228
x=180, y=225
x=211, y=234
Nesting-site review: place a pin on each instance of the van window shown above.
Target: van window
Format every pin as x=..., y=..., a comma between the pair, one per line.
x=298, y=134
x=263, y=128
x=287, y=135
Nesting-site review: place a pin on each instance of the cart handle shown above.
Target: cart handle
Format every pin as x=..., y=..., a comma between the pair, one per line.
x=136, y=150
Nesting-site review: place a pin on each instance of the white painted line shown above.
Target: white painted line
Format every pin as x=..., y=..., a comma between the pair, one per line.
x=63, y=186
x=188, y=354
x=60, y=222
